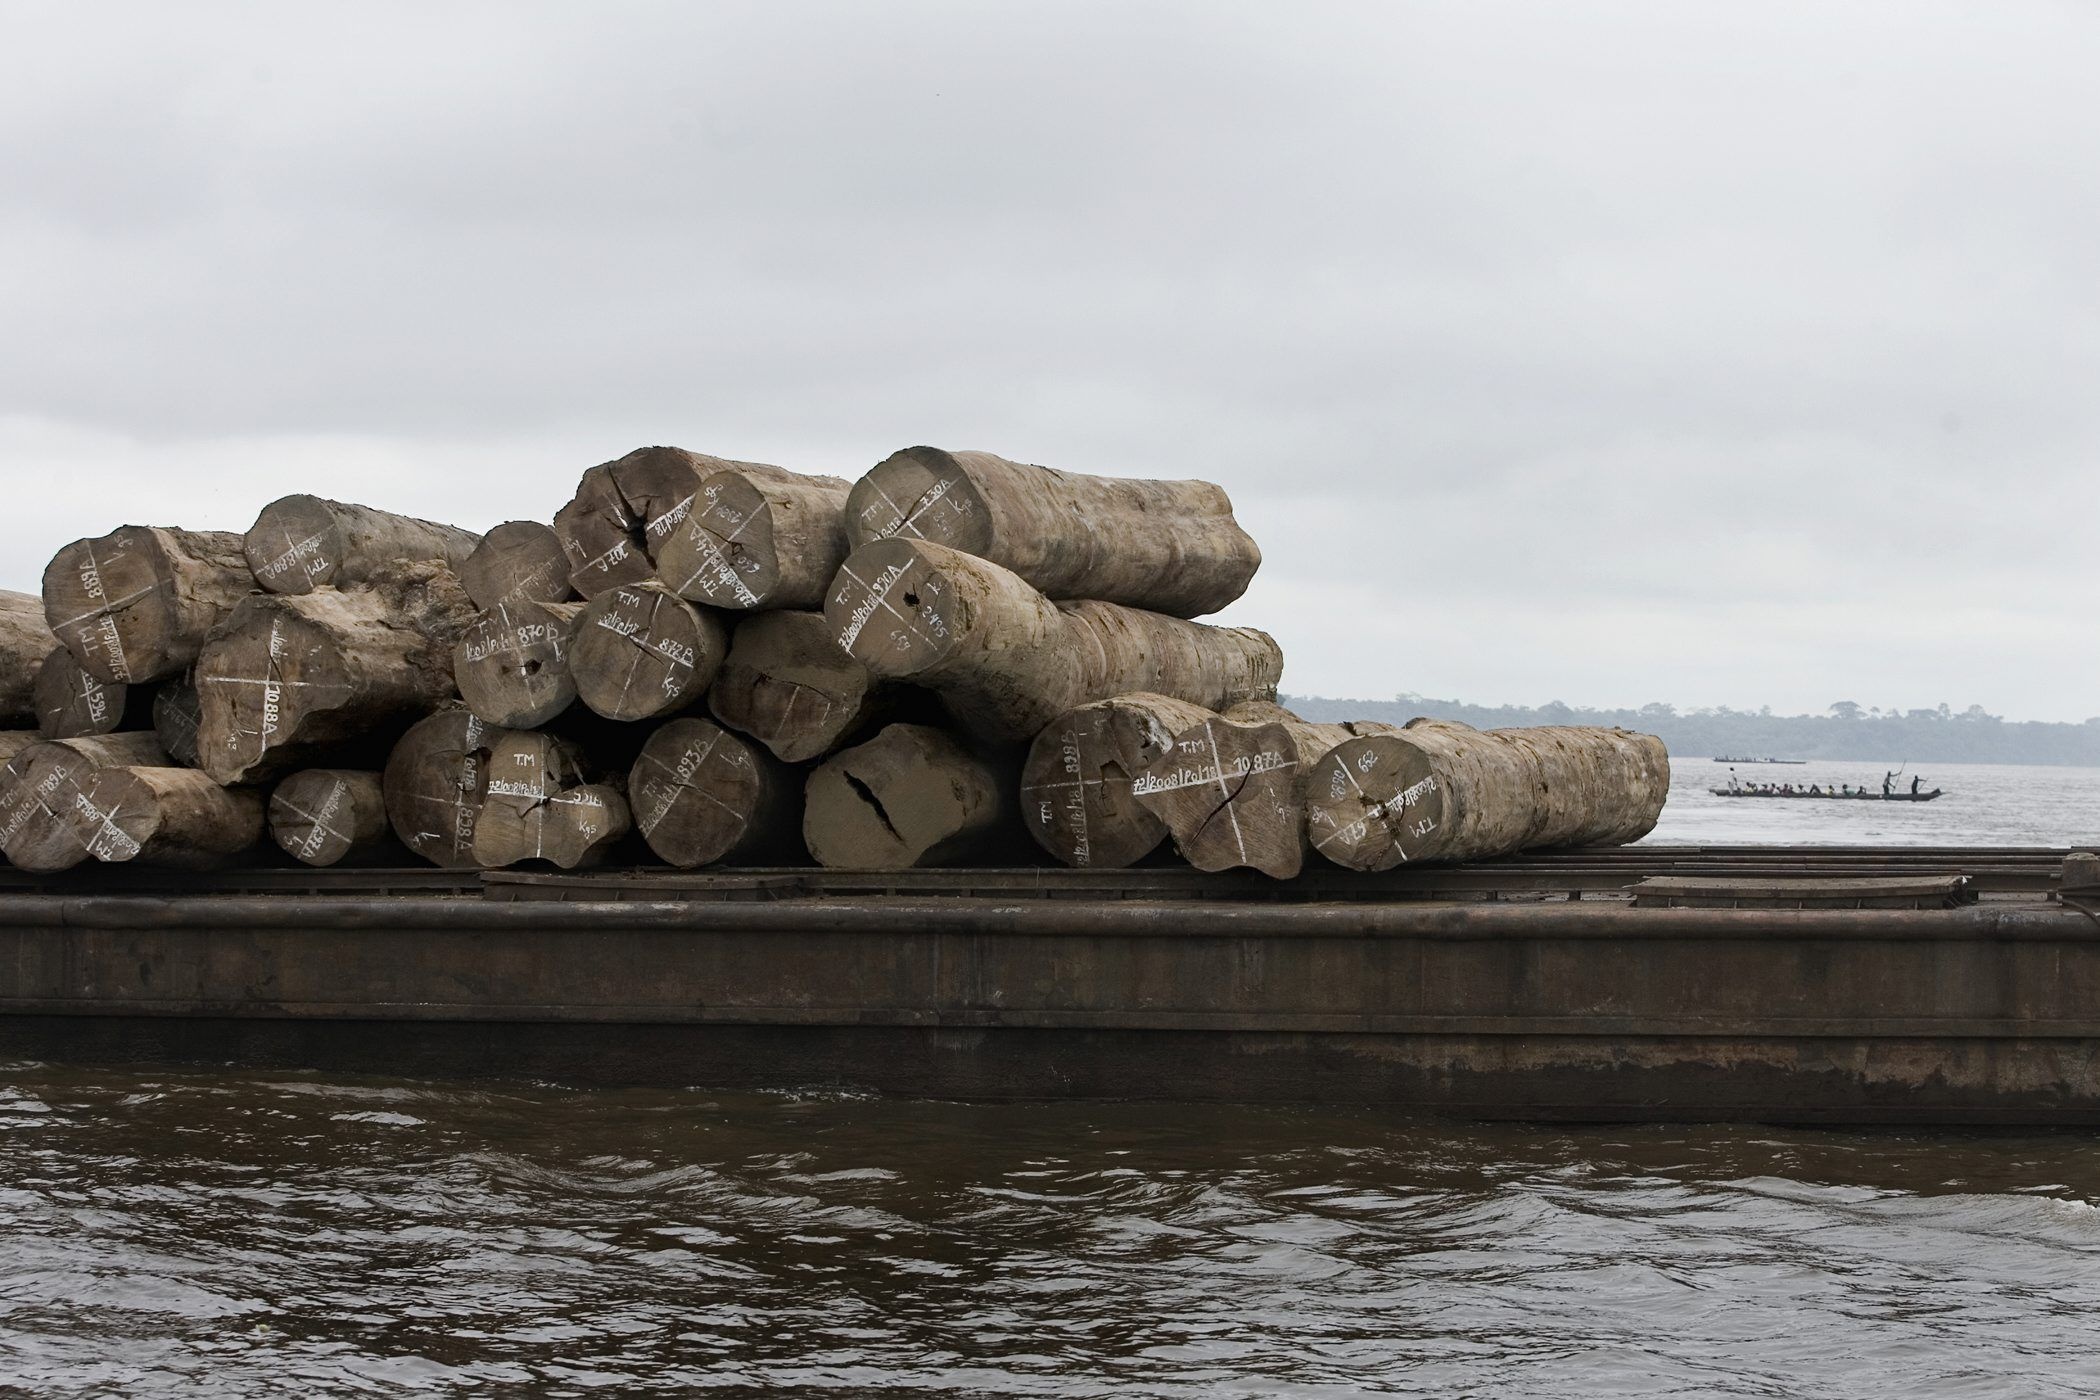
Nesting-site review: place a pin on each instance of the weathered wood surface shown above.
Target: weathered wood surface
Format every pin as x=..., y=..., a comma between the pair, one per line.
x=519, y=561
x=25, y=640
x=540, y=805
x=43, y=824
x=1007, y=661
x=912, y=795
x=289, y=678
x=325, y=816
x=169, y=817
x=788, y=683
x=758, y=537
x=623, y=511
x=136, y=604
x=641, y=652
x=702, y=794
x=300, y=543
x=1437, y=790
x=1232, y=788
x=1165, y=546
x=512, y=664
x=72, y=703
x=1076, y=798
x=176, y=713
x=436, y=780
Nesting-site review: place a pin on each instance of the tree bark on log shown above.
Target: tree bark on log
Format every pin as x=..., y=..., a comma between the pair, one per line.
x=42, y=825
x=1437, y=790
x=290, y=678
x=520, y=561
x=512, y=665
x=702, y=794
x=136, y=604
x=176, y=713
x=540, y=807
x=436, y=781
x=1165, y=546
x=624, y=510
x=787, y=683
x=325, y=816
x=1232, y=788
x=911, y=796
x=300, y=543
x=25, y=640
x=643, y=652
x=758, y=537
x=72, y=704
x=1076, y=796
x=1007, y=661
x=174, y=817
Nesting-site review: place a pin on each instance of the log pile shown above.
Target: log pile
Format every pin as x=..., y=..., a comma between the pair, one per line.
x=699, y=660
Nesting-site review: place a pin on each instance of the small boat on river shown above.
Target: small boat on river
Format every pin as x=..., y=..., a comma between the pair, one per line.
x=1822, y=793
x=1793, y=762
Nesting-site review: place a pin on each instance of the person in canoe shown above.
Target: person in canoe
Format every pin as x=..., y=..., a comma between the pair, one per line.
x=1915, y=783
x=1888, y=784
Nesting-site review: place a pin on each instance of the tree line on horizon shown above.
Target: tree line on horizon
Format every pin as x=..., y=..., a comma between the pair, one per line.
x=1847, y=730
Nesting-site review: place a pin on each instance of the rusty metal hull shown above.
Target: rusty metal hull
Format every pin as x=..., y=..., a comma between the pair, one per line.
x=1585, y=1010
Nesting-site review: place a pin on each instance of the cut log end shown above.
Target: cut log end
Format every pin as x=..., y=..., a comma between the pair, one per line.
x=324, y=816
x=176, y=713
x=1076, y=798
x=910, y=796
x=518, y=562
x=294, y=545
x=1376, y=802
x=71, y=701
x=539, y=808
x=722, y=552
x=169, y=817
x=919, y=493
x=1228, y=792
x=46, y=823
x=136, y=604
x=622, y=512
x=702, y=794
x=787, y=683
x=642, y=652
x=513, y=663
x=893, y=608
x=435, y=782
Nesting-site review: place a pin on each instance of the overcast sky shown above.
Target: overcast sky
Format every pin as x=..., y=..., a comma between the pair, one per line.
x=1743, y=353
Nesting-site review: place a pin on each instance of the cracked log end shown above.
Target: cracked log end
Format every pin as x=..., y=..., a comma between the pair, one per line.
x=435, y=782
x=910, y=796
x=1076, y=796
x=1228, y=791
x=538, y=806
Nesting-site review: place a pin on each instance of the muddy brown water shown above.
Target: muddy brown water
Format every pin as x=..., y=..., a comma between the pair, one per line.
x=245, y=1234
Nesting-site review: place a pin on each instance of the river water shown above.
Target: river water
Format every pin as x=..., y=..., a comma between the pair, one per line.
x=240, y=1233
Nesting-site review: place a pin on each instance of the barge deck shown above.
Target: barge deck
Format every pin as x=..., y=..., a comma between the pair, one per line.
x=1839, y=985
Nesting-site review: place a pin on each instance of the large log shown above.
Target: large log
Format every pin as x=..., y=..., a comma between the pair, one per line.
x=1438, y=790
x=1165, y=546
x=176, y=712
x=300, y=543
x=912, y=795
x=512, y=664
x=702, y=794
x=1007, y=661
x=291, y=678
x=622, y=512
x=436, y=781
x=72, y=703
x=1231, y=790
x=641, y=652
x=758, y=537
x=325, y=816
x=519, y=561
x=43, y=826
x=1076, y=798
x=169, y=817
x=136, y=604
x=25, y=640
x=788, y=683
x=541, y=806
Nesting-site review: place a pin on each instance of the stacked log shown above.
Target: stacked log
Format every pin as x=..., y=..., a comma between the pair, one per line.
x=168, y=817
x=326, y=816
x=788, y=683
x=291, y=679
x=1438, y=790
x=436, y=779
x=25, y=639
x=1007, y=661
x=1231, y=788
x=300, y=543
x=176, y=714
x=758, y=537
x=541, y=804
x=1076, y=795
x=518, y=562
x=702, y=794
x=44, y=822
x=912, y=795
x=136, y=604
x=512, y=663
x=1165, y=546
x=71, y=702
x=642, y=652
x=623, y=510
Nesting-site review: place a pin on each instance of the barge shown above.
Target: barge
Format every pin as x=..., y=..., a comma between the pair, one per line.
x=1839, y=985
